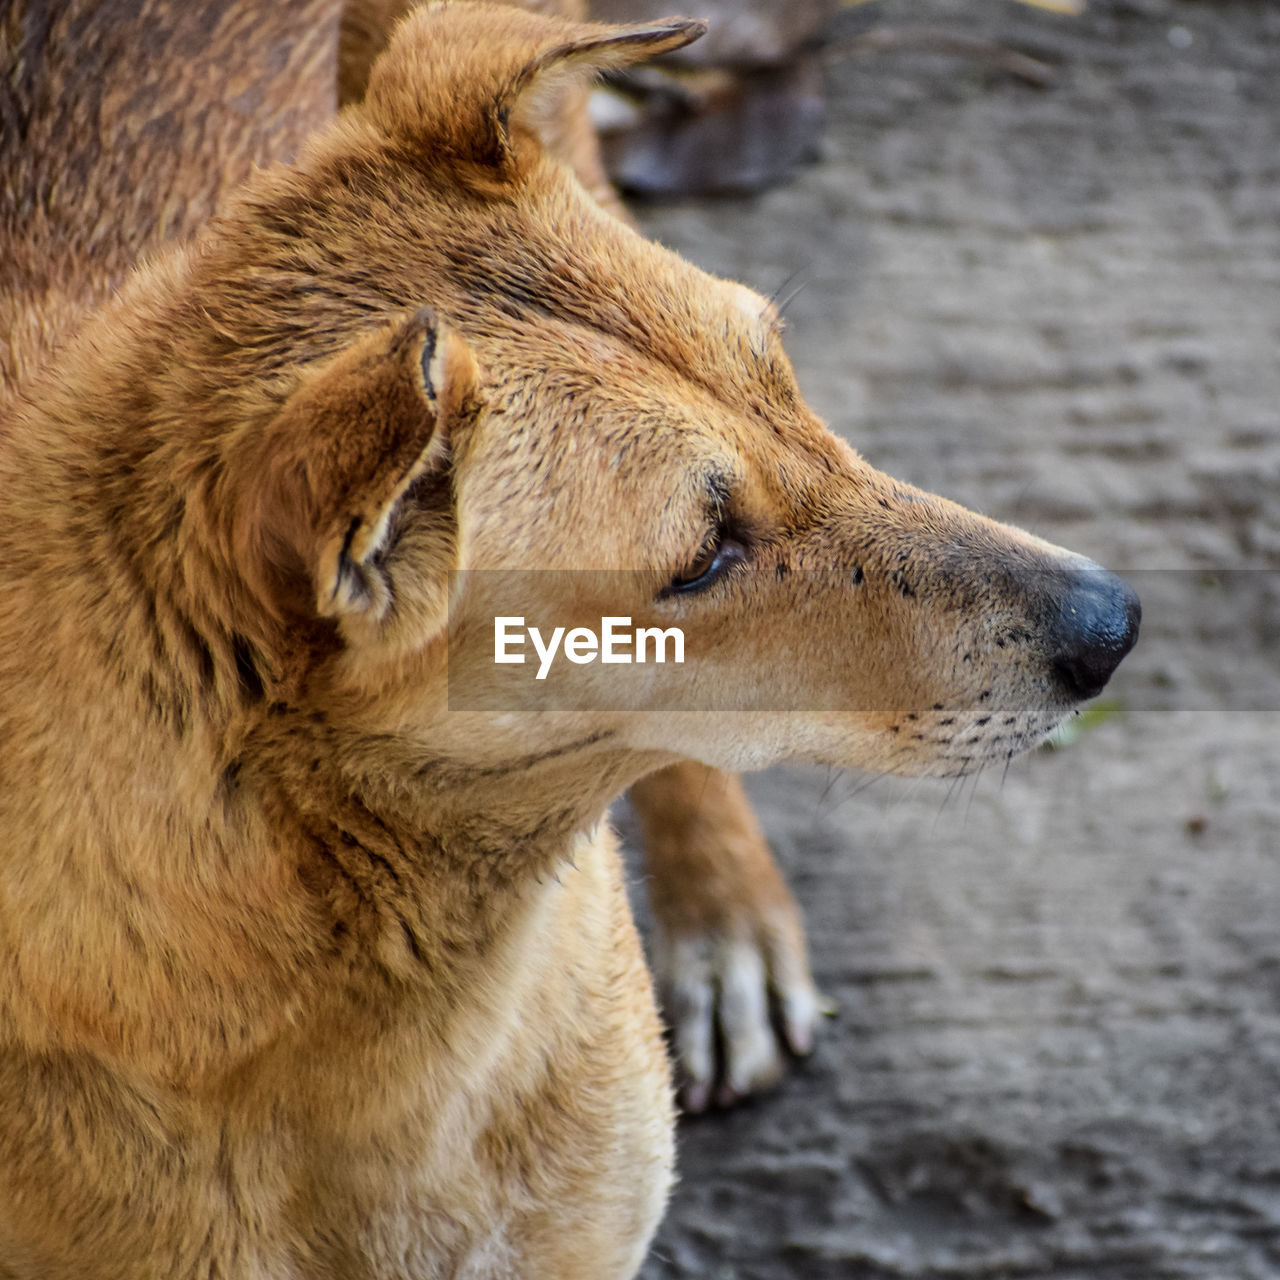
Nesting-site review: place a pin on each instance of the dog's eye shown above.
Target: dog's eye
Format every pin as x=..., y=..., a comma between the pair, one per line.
x=719, y=554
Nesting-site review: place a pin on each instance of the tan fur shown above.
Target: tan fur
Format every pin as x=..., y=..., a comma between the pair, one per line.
x=76, y=215
x=562, y=123
x=700, y=831
x=302, y=973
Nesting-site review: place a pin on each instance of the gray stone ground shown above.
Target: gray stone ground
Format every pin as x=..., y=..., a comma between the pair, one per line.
x=1058, y=1048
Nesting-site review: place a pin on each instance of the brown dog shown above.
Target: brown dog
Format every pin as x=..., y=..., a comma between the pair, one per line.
x=99, y=171
x=304, y=973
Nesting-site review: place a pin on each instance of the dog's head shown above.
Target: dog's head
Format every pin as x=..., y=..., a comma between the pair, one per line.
x=422, y=362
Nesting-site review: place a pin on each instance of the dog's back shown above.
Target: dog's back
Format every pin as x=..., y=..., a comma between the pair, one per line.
x=121, y=125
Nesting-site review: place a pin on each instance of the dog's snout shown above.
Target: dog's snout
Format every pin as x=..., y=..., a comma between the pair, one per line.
x=1093, y=625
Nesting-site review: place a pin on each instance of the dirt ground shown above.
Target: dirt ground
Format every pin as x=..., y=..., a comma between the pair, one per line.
x=1057, y=1054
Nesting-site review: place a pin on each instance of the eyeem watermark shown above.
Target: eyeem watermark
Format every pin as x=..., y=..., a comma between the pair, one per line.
x=767, y=644
x=616, y=642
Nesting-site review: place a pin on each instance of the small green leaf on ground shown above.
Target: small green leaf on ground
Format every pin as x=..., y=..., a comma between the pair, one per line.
x=1087, y=718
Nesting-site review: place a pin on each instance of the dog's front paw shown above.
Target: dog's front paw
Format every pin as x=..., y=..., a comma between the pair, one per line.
x=738, y=996
x=729, y=951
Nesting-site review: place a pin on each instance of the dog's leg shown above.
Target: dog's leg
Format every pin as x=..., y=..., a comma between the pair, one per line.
x=729, y=946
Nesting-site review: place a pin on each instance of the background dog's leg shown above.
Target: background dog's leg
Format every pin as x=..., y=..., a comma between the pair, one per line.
x=729, y=949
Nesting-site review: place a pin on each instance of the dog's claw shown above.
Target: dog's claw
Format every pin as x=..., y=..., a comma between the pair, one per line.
x=799, y=1036
x=726, y=1097
x=695, y=1097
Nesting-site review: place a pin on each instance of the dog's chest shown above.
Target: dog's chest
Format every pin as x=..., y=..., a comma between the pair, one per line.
x=527, y=1135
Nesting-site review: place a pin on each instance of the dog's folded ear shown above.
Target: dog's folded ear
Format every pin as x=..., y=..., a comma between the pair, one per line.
x=319, y=488
x=460, y=82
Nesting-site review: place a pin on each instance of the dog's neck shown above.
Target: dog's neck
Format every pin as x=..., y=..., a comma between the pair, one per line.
x=446, y=849
x=410, y=805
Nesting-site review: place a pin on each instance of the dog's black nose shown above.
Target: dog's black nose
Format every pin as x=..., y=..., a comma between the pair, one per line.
x=1094, y=623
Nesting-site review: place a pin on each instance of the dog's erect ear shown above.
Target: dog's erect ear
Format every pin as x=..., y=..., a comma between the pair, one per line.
x=457, y=81
x=320, y=486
